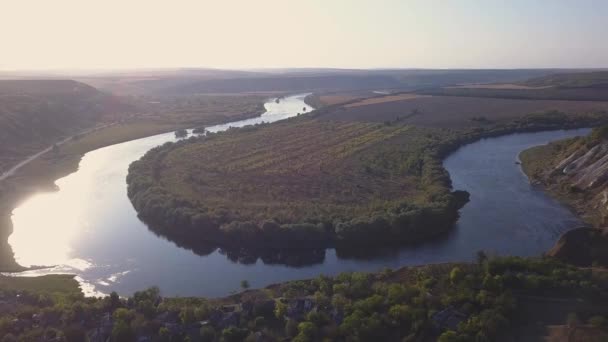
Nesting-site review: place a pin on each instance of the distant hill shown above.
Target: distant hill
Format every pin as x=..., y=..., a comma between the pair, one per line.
x=205, y=81
x=36, y=113
x=595, y=79
x=572, y=86
x=289, y=83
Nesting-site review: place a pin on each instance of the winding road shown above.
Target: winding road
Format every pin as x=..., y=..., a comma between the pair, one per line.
x=11, y=172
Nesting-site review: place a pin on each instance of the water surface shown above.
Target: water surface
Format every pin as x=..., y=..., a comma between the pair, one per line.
x=90, y=228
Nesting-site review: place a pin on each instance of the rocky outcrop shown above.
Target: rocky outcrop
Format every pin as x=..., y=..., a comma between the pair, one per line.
x=583, y=173
x=576, y=171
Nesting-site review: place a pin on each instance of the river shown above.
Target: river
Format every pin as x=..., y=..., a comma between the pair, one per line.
x=89, y=227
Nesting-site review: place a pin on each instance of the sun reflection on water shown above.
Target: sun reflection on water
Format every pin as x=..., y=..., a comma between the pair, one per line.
x=47, y=225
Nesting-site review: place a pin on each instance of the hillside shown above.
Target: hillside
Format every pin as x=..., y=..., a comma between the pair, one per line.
x=213, y=81
x=572, y=86
x=576, y=172
x=37, y=113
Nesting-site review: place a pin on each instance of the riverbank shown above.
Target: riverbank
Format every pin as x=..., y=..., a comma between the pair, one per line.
x=40, y=174
x=572, y=171
x=492, y=299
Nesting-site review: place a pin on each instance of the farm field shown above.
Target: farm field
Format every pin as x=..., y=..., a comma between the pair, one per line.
x=384, y=99
x=540, y=92
x=316, y=182
x=456, y=111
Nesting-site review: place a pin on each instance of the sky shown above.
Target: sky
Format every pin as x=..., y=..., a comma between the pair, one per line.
x=127, y=34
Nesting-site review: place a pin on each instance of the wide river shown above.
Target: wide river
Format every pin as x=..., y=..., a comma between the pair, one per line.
x=89, y=227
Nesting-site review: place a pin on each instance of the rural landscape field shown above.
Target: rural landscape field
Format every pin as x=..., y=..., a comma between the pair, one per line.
x=303, y=171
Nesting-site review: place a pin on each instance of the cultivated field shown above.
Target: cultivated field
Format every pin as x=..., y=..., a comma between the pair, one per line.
x=303, y=180
x=453, y=111
x=384, y=99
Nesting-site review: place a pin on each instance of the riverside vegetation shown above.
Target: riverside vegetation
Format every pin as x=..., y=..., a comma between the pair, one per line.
x=491, y=300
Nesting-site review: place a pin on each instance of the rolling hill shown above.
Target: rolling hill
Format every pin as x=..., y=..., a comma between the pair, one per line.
x=37, y=113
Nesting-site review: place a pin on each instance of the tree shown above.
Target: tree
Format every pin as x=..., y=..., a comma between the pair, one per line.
x=181, y=133
x=400, y=314
x=122, y=332
x=207, y=334
x=280, y=309
x=456, y=275
x=318, y=318
x=321, y=299
x=164, y=335
x=291, y=328
x=122, y=314
x=448, y=336
x=74, y=333
x=114, y=301
x=234, y=334
x=396, y=293
x=306, y=332
x=481, y=256
x=186, y=315
x=244, y=284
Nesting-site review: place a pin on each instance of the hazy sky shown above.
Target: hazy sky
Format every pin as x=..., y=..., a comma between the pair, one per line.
x=47, y=34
